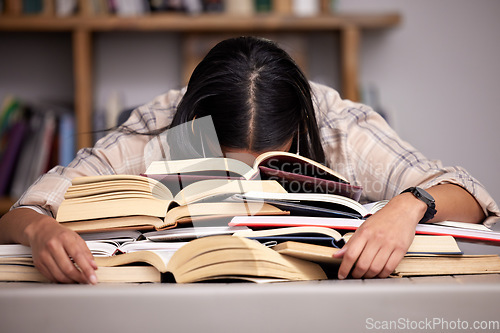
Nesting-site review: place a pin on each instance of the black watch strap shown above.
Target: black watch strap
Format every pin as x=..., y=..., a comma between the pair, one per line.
x=426, y=198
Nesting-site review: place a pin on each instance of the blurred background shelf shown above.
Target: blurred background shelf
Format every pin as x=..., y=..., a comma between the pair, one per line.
x=80, y=31
x=201, y=23
x=83, y=27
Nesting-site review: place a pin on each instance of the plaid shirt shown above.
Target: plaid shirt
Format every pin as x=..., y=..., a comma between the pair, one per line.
x=358, y=144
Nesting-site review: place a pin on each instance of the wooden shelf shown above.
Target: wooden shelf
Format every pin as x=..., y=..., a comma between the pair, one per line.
x=200, y=24
x=82, y=27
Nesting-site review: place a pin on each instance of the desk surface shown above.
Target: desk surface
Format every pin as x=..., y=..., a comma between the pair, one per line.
x=440, y=303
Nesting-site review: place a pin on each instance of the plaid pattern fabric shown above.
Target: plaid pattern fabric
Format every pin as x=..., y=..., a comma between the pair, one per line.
x=357, y=141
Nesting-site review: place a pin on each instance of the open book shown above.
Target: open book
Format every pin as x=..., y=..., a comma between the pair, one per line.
x=190, y=233
x=221, y=258
x=467, y=231
x=294, y=172
x=229, y=257
x=314, y=204
x=115, y=201
x=410, y=265
x=315, y=235
x=421, y=244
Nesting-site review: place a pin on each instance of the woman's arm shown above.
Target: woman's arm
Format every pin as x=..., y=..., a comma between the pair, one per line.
x=59, y=253
x=454, y=203
x=360, y=145
x=378, y=246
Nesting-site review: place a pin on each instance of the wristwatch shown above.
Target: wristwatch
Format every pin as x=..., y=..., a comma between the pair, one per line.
x=426, y=198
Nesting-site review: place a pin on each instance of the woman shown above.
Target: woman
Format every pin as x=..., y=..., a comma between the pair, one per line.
x=259, y=100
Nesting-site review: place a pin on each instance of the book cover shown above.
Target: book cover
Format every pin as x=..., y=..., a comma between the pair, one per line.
x=11, y=154
x=66, y=139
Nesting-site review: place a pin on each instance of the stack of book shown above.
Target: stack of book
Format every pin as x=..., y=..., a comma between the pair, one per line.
x=219, y=219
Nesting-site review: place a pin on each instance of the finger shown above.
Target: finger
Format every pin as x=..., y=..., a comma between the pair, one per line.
x=365, y=259
x=70, y=255
x=340, y=253
x=392, y=263
x=378, y=263
x=350, y=256
x=83, y=258
x=62, y=263
x=52, y=267
x=68, y=268
x=44, y=271
x=46, y=265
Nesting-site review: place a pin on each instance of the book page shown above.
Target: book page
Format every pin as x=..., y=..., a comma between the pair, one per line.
x=312, y=199
x=97, y=185
x=199, y=166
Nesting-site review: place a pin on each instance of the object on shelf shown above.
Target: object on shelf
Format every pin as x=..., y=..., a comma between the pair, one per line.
x=240, y=7
x=66, y=7
x=306, y=7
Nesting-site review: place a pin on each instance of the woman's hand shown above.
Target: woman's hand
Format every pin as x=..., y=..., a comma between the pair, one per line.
x=59, y=253
x=380, y=243
x=378, y=246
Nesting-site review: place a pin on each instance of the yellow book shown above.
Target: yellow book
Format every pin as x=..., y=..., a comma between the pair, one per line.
x=222, y=258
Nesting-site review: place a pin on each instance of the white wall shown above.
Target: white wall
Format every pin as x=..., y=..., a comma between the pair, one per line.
x=34, y=68
x=138, y=66
x=437, y=73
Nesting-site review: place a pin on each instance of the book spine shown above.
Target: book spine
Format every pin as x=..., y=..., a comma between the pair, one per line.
x=263, y=6
x=66, y=139
x=11, y=154
x=282, y=7
x=13, y=7
x=45, y=145
x=239, y=7
x=306, y=7
x=20, y=179
x=30, y=7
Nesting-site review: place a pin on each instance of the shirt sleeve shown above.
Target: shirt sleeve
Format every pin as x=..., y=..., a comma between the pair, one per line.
x=119, y=152
x=363, y=147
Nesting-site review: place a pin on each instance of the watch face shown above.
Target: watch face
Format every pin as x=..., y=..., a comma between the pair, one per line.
x=424, y=194
x=425, y=197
